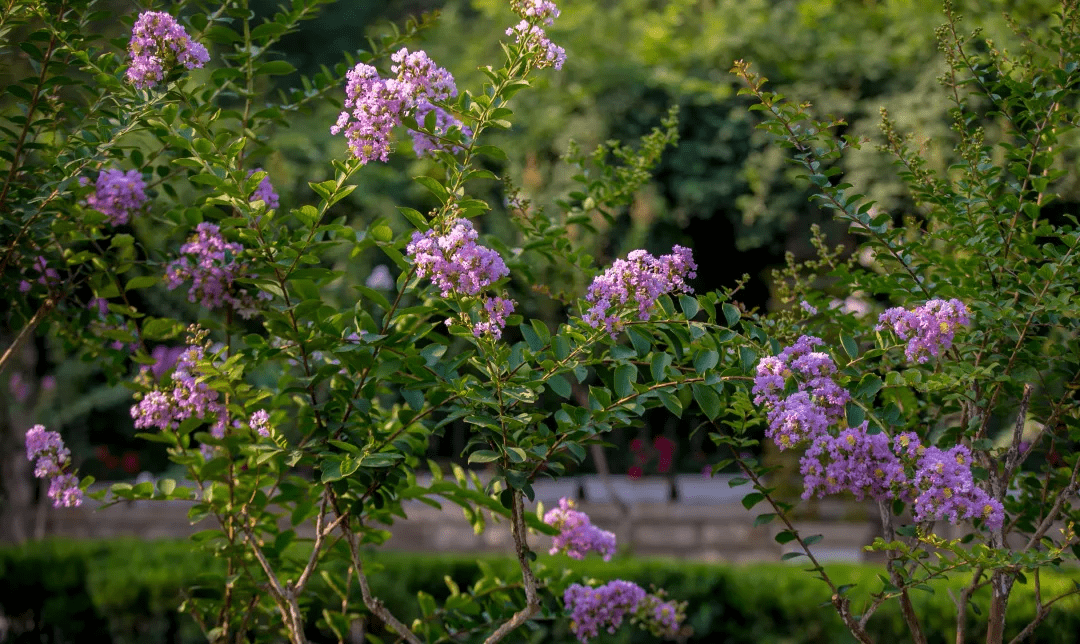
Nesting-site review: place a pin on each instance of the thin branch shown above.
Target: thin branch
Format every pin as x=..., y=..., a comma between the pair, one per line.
x=532, y=603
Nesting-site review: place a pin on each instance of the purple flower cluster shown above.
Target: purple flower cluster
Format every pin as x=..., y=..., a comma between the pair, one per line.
x=928, y=329
x=531, y=36
x=166, y=408
x=211, y=264
x=807, y=413
x=661, y=618
x=159, y=43
x=854, y=461
x=46, y=276
x=493, y=316
x=117, y=194
x=454, y=261
x=457, y=264
x=592, y=609
x=51, y=458
x=944, y=488
x=374, y=106
x=637, y=282
x=265, y=191
x=577, y=534
x=260, y=423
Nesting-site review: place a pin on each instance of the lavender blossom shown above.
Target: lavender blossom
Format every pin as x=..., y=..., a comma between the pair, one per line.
x=212, y=266
x=855, y=461
x=260, y=423
x=51, y=458
x=945, y=488
x=605, y=607
x=158, y=44
x=636, y=283
x=264, y=191
x=659, y=617
x=454, y=261
x=807, y=413
x=117, y=194
x=531, y=36
x=493, y=316
x=374, y=106
x=928, y=329
x=577, y=534
x=165, y=408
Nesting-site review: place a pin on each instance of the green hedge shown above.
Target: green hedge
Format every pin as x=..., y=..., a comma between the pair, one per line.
x=127, y=591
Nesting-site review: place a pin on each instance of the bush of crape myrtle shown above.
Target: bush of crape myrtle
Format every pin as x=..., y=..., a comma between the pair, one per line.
x=132, y=174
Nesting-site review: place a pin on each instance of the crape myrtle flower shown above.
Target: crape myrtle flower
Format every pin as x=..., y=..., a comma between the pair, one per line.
x=260, y=423
x=866, y=465
x=636, y=283
x=928, y=329
x=454, y=261
x=166, y=407
x=577, y=534
x=807, y=413
x=604, y=607
x=51, y=459
x=493, y=316
x=945, y=488
x=117, y=194
x=659, y=617
x=212, y=265
x=159, y=43
x=374, y=106
x=531, y=36
x=265, y=191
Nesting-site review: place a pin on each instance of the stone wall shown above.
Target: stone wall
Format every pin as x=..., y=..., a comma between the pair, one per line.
x=682, y=516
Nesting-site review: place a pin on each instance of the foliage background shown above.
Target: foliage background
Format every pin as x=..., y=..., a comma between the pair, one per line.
x=723, y=191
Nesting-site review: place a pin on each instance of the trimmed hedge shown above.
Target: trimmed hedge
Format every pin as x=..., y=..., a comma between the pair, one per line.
x=127, y=591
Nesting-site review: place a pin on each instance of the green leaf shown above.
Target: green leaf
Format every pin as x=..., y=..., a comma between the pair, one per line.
x=762, y=519
x=142, y=281
x=559, y=385
x=748, y=359
x=792, y=555
x=275, y=68
x=812, y=539
x=868, y=387
x=752, y=499
x=531, y=338
x=705, y=360
x=731, y=314
x=671, y=402
x=689, y=306
x=855, y=415
x=166, y=486
x=483, y=456
x=707, y=399
x=625, y=376
x=850, y=346
x=415, y=217
x=659, y=365
x=784, y=536
x=325, y=189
